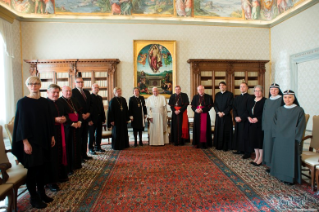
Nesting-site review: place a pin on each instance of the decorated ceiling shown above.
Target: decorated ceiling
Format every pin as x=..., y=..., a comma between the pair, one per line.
x=223, y=10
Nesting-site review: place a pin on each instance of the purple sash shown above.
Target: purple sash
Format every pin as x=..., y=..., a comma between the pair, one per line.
x=203, y=126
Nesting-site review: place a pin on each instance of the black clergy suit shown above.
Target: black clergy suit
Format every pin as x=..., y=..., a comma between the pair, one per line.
x=223, y=133
x=241, y=141
x=97, y=117
x=86, y=108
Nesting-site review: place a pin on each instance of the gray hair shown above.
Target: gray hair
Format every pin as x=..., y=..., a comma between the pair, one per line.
x=259, y=86
x=54, y=86
x=32, y=79
x=116, y=89
x=95, y=84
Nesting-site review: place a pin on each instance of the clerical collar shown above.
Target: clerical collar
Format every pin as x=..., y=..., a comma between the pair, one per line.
x=243, y=93
x=222, y=92
x=80, y=89
x=290, y=106
x=65, y=98
x=201, y=95
x=275, y=97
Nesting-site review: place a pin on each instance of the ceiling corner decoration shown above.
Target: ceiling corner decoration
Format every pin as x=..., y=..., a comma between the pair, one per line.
x=217, y=12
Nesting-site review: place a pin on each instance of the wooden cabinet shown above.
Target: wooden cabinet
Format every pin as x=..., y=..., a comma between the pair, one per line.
x=63, y=72
x=209, y=73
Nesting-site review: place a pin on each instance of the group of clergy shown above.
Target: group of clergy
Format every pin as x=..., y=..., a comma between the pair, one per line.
x=265, y=126
x=50, y=136
x=155, y=111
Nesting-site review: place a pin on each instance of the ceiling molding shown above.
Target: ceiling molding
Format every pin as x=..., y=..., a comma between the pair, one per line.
x=7, y=14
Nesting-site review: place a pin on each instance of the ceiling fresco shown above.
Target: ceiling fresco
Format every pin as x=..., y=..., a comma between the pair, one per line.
x=204, y=10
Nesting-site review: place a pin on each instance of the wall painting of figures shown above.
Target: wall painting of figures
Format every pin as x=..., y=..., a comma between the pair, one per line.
x=218, y=8
x=154, y=66
x=153, y=7
x=184, y=8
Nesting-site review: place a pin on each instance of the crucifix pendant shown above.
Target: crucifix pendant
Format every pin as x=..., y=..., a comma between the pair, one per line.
x=200, y=104
x=121, y=108
x=176, y=104
x=75, y=112
x=138, y=105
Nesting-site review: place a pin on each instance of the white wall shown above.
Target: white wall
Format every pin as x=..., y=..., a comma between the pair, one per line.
x=16, y=62
x=101, y=40
x=298, y=34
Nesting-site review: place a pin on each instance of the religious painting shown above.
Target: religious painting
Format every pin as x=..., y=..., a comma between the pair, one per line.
x=155, y=66
x=219, y=8
x=153, y=7
x=34, y=7
x=183, y=8
x=83, y=6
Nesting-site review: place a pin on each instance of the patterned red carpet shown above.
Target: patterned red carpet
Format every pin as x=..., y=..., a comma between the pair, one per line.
x=173, y=178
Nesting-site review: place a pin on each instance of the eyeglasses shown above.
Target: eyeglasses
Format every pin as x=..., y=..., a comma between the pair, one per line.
x=34, y=84
x=79, y=81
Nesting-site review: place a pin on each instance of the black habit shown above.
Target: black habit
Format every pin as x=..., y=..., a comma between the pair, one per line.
x=85, y=103
x=97, y=117
x=118, y=113
x=72, y=135
x=57, y=171
x=223, y=134
x=182, y=101
x=207, y=102
x=256, y=133
x=138, y=110
x=33, y=121
x=241, y=142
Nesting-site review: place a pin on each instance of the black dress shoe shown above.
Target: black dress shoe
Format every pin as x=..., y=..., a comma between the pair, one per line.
x=92, y=152
x=100, y=150
x=82, y=161
x=36, y=202
x=70, y=173
x=256, y=164
x=141, y=143
x=246, y=156
x=288, y=183
x=44, y=197
x=237, y=152
x=54, y=187
x=64, y=180
x=252, y=162
x=87, y=157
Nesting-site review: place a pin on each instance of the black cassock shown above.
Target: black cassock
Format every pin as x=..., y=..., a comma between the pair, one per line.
x=241, y=142
x=138, y=110
x=256, y=133
x=33, y=121
x=72, y=135
x=206, y=101
x=98, y=117
x=223, y=134
x=182, y=101
x=57, y=170
x=118, y=113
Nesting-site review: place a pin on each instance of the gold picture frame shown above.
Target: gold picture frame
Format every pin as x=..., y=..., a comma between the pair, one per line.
x=155, y=66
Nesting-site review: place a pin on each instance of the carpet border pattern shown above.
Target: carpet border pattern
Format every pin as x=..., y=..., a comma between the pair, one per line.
x=90, y=197
x=259, y=202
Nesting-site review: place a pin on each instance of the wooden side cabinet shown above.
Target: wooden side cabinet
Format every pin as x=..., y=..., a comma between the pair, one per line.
x=209, y=73
x=63, y=72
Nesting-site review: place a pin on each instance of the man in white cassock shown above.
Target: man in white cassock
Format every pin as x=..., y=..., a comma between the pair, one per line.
x=157, y=114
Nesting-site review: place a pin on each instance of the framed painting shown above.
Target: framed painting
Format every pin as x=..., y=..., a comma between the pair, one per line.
x=154, y=66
